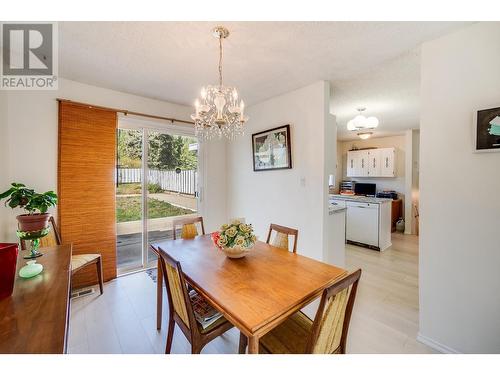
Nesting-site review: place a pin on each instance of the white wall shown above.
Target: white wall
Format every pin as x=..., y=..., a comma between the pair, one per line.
x=4, y=154
x=278, y=196
x=459, y=194
x=32, y=122
x=214, y=194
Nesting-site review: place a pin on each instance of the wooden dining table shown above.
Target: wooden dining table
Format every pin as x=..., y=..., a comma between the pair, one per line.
x=35, y=318
x=255, y=293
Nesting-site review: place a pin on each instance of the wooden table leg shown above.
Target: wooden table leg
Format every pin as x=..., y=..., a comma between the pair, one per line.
x=253, y=345
x=159, y=295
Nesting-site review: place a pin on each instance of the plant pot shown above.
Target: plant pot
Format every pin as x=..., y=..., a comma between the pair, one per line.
x=235, y=252
x=33, y=223
x=8, y=259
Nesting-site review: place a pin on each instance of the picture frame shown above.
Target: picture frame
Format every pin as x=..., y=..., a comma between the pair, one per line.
x=486, y=126
x=272, y=149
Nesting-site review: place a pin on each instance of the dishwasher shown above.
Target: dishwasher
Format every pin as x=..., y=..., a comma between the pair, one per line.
x=362, y=223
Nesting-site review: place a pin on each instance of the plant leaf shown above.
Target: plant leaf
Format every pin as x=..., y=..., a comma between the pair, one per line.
x=5, y=194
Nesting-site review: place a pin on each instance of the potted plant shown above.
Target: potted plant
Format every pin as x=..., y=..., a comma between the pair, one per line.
x=36, y=205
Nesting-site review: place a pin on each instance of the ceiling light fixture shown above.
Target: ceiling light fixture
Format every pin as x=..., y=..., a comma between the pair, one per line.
x=361, y=122
x=365, y=135
x=219, y=112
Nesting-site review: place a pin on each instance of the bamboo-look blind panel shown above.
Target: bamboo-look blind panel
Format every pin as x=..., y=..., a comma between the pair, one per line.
x=86, y=188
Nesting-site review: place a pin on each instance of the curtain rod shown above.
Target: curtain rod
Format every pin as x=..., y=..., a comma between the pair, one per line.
x=125, y=111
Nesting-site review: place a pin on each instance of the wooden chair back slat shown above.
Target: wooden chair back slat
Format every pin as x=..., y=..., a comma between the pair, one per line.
x=175, y=286
x=331, y=324
x=178, y=297
x=281, y=237
x=188, y=227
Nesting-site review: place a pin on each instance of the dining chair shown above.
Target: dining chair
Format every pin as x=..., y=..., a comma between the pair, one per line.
x=188, y=227
x=281, y=237
x=327, y=334
x=78, y=261
x=181, y=309
x=188, y=231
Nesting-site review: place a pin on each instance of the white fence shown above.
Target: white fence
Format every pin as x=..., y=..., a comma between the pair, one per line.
x=183, y=182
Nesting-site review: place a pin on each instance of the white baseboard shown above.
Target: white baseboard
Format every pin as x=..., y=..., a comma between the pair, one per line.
x=436, y=345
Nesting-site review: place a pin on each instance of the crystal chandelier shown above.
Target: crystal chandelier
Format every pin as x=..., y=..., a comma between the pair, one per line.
x=218, y=112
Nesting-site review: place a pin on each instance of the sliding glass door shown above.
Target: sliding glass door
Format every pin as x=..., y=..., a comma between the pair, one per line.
x=157, y=179
x=171, y=183
x=129, y=199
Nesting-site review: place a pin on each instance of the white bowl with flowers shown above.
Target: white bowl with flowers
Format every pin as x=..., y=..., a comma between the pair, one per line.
x=236, y=239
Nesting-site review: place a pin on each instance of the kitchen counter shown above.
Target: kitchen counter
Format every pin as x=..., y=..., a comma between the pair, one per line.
x=334, y=249
x=359, y=198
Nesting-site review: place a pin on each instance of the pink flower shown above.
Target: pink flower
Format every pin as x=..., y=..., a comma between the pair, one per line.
x=215, y=238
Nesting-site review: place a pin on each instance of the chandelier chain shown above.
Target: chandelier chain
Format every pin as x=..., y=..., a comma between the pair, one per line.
x=220, y=62
x=219, y=112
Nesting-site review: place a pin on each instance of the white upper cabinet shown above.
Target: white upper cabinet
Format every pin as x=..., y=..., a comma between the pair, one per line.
x=377, y=162
x=387, y=156
x=362, y=165
x=374, y=163
x=352, y=161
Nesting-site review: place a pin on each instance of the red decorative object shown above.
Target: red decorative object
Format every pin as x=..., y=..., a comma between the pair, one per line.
x=215, y=238
x=8, y=259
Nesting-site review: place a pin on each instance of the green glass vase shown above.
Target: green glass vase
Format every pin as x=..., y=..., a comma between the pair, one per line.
x=31, y=269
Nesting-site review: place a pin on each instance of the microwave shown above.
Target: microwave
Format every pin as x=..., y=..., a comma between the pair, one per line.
x=365, y=189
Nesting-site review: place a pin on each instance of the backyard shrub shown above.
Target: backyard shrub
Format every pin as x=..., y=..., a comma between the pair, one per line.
x=154, y=188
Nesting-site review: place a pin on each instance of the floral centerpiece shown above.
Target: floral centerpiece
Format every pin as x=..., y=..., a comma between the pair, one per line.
x=236, y=238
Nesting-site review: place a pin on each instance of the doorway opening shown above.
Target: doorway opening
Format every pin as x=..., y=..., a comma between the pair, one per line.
x=156, y=182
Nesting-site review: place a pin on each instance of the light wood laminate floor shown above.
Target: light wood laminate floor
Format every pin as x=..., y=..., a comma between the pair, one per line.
x=385, y=317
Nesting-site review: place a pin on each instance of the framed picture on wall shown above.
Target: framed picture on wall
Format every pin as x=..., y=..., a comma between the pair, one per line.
x=487, y=130
x=272, y=149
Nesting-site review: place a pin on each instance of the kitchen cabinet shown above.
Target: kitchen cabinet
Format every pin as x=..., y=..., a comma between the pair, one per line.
x=334, y=249
x=352, y=163
x=373, y=160
x=338, y=202
x=377, y=162
x=387, y=162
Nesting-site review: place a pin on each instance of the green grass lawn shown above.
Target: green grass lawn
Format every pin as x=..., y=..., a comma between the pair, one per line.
x=136, y=188
x=129, y=209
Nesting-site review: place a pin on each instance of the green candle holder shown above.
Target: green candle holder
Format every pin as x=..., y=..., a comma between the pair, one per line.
x=34, y=238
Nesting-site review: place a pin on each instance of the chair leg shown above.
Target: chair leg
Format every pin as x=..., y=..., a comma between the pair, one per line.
x=159, y=295
x=243, y=344
x=99, y=274
x=196, y=348
x=170, y=335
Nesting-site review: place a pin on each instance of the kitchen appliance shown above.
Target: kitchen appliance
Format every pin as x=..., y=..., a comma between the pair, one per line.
x=368, y=190
x=361, y=223
x=391, y=194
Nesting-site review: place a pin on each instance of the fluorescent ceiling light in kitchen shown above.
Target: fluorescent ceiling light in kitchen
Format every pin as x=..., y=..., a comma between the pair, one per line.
x=365, y=135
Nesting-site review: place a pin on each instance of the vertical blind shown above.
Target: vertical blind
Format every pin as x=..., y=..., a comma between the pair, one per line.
x=86, y=176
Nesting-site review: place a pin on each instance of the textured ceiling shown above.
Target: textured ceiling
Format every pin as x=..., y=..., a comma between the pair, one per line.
x=390, y=92
x=368, y=63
